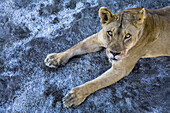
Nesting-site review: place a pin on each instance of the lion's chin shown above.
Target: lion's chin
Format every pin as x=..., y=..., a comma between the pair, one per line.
x=116, y=59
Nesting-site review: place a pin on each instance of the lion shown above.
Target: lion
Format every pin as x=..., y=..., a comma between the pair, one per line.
x=127, y=36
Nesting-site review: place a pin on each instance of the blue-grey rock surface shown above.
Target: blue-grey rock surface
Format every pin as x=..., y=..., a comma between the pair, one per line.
x=31, y=29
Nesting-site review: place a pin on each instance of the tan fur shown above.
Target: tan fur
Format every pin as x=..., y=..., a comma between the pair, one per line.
x=133, y=33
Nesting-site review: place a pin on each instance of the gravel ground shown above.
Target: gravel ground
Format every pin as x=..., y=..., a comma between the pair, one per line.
x=31, y=29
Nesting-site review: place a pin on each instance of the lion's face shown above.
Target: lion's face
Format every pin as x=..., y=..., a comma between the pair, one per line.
x=120, y=32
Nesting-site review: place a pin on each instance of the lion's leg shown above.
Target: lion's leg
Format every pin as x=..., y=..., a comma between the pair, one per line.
x=78, y=94
x=91, y=44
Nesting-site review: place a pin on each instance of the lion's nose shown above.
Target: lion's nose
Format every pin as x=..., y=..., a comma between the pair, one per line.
x=114, y=53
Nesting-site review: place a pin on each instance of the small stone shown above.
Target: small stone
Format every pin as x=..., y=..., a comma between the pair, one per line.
x=55, y=20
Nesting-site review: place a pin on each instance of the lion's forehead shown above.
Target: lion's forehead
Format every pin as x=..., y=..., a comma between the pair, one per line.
x=112, y=25
x=125, y=21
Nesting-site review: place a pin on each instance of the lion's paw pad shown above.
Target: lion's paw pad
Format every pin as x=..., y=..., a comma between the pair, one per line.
x=74, y=98
x=54, y=60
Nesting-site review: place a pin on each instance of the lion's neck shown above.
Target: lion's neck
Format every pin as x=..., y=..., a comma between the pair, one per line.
x=158, y=20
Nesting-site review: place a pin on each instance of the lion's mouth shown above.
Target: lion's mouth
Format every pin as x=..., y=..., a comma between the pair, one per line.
x=114, y=58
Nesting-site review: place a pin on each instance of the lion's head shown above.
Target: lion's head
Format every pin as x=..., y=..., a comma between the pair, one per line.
x=120, y=31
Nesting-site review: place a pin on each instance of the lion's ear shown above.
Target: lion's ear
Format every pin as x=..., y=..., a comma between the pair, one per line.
x=142, y=11
x=142, y=15
x=105, y=15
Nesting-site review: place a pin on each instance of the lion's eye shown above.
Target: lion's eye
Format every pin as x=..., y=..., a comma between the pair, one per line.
x=128, y=36
x=109, y=33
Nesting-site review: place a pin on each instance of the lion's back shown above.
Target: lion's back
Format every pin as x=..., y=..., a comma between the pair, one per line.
x=163, y=11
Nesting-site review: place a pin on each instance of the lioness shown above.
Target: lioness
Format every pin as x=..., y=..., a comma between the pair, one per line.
x=127, y=36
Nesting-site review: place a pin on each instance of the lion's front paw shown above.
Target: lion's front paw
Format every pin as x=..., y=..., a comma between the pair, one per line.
x=75, y=97
x=54, y=60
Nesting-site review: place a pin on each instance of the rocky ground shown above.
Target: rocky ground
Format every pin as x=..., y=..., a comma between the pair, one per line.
x=31, y=29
